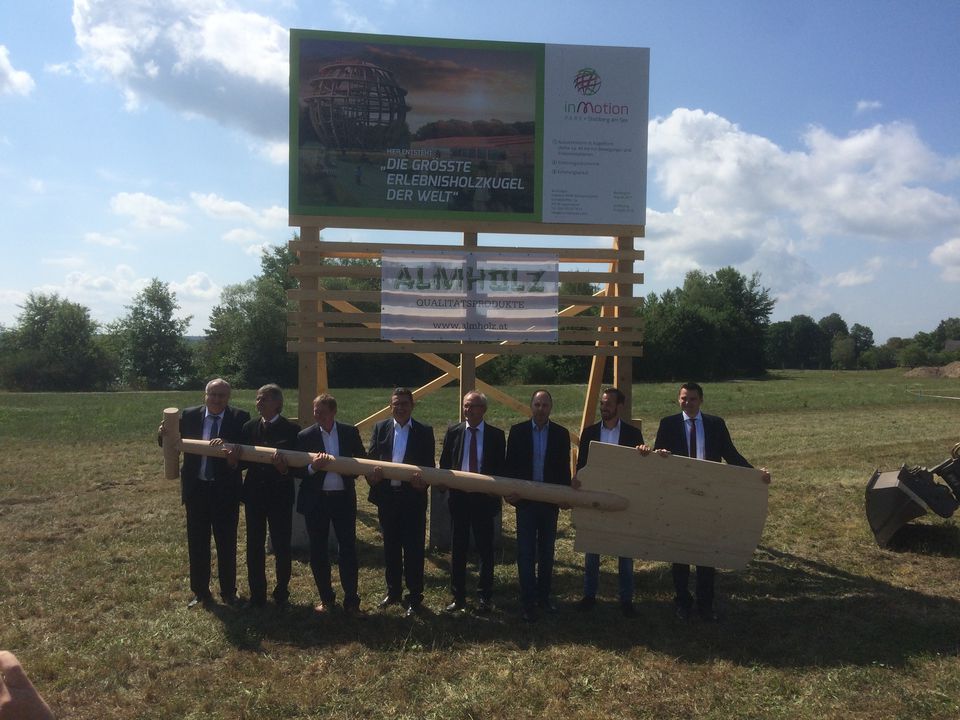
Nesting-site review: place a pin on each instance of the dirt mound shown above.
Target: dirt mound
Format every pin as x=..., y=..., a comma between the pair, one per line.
x=923, y=372
x=951, y=371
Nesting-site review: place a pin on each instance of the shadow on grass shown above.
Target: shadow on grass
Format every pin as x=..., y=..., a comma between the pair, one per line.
x=940, y=540
x=784, y=611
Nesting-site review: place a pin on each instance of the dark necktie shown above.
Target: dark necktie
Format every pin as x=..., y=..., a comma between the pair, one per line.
x=474, y=465
x=214, y=431
x=693, y=438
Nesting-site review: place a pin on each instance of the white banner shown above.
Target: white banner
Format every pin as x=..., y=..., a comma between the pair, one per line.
x=469, y=296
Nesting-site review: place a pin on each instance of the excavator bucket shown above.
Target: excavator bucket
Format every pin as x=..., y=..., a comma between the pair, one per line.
x=896, y=497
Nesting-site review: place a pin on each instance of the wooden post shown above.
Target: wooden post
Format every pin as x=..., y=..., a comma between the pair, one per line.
x=311, y=372
x=623, y=363
x=170, y=433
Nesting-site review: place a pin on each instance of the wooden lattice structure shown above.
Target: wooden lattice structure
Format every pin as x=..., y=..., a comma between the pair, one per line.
x=329, y=321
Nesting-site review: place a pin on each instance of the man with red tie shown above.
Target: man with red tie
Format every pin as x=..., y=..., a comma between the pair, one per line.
x=473, y=446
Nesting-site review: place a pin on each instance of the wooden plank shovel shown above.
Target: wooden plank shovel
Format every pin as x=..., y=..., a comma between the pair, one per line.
x=654, y=508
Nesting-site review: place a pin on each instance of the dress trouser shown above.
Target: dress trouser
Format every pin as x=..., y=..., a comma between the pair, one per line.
x=591, y=576
x=268, y=507
x=337, y=508
x=705, y=582
x=536, y=539
x=205, y=513
x=468, y=514
x=403, y=520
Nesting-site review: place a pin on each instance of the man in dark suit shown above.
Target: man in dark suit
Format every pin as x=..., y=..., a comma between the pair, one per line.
x=402, y=507
x=268, y=497
x=611, y=429
x=473, y=446
x=328, y=498
x=538, y=450
x=705, y=437
x=210, y=492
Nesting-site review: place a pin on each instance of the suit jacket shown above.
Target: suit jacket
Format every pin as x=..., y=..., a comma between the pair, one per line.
x=630, y=436
x=263, y=482
x=311, y=440
x=672, y=436
x=491, y=463
x=421, y=450
x=227, y=480
x=556, y=463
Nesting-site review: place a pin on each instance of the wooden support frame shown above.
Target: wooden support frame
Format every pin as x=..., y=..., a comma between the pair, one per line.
x=330, y=320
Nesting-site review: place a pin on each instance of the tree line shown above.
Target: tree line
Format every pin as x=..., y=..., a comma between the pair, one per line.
x=715, y=326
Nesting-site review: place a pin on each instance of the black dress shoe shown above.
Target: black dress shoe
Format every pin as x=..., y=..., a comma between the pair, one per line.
x=413, y=609
x=586, y=603
x=233, y=601
x=547, y=606
x=627, y=609
x=486, y=606
x=387, y=602
x=205, y=600
x=456, y=606
x=707, y=615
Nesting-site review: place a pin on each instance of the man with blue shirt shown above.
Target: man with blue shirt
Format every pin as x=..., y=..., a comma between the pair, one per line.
x=611, y=429
x=537, y=450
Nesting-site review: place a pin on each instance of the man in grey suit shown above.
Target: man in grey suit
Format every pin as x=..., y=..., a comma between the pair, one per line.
x=473, y=446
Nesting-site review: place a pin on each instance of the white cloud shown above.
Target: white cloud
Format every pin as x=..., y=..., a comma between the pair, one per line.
x=947, y=256
x=272, y=218
x=352, y=20
x=148, y=212
x=218, y=207
x=67, y=261
x=862, y=275
x=95, y=238
x=243, y=236
x=868, y=105
x=197, y=286
x=729, y=197
x=202, y=57
x=13, y=81
x=277, y=152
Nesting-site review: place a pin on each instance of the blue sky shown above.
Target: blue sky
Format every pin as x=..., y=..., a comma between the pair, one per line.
x=814, y=142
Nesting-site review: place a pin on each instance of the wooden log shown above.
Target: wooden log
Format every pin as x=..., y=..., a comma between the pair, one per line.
x=470, y=482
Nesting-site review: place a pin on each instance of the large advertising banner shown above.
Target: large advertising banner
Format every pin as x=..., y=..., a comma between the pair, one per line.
x=470, y=296
x=424, y=128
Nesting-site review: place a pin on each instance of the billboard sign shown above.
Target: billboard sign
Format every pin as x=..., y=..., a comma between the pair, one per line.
x=424, y=128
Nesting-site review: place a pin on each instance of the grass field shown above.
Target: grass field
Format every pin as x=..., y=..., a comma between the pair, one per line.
x=822, y=624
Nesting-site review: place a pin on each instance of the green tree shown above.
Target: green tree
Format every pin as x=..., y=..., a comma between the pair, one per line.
x=806, y=342
x=862, y=337
x=54, y=346
x=714, y=326
x=152, y=345
x=247, y=337
x=843, y=352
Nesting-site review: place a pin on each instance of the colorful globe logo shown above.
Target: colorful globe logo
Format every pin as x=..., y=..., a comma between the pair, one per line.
x=587, y=81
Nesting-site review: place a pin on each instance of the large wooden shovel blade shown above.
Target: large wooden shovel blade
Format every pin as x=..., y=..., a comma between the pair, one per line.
x=679, y=510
